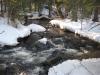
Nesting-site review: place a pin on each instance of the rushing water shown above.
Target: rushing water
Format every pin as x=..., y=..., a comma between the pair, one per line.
x=31, y=57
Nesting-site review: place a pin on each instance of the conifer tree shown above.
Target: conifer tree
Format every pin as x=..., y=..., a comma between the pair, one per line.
x=96, y=10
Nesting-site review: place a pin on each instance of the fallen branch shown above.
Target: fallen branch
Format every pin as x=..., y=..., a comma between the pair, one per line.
x=93, y=27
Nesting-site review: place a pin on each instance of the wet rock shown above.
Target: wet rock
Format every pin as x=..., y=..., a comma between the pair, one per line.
x=41, y=46
x=41, y=34
x=38, y=70
x=33, y=38
x=50, y=44
x=89, y=47
x=3, y=66
x=58, y=40
x=2, y=69
x=15, y=69
x=30, y=41
x=56, y=57
x=69, y=45
x=12, y=69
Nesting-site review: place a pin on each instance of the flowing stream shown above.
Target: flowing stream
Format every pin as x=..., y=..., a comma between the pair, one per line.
x=32, y=57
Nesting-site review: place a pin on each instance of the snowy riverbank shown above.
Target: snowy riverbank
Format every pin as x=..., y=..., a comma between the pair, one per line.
x=77, y=67
x=86, y=28
x=10, y=34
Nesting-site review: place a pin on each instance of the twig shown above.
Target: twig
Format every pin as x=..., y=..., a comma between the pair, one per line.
x=94, y=27
x=69, y=73
x=2, y=32
x=86, y=68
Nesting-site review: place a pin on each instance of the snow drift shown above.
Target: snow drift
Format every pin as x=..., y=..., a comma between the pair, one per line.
x=86, y=28
x=9, y=34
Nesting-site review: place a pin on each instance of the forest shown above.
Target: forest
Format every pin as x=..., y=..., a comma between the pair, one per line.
x=63, y=8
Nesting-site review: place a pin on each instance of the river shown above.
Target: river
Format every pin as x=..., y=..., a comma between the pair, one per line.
x=31, y=57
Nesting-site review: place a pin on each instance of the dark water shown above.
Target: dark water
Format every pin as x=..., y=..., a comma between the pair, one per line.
x=31, y=57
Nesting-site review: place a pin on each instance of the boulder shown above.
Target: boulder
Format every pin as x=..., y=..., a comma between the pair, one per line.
x=15, y=69
x=41, y=46
x=58, y=40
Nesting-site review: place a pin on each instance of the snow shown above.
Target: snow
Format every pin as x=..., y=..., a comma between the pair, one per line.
x=86, y=28
x=35, y=14
x=45, y=12
x=36, y=28
x=43, y=40
x=10, y=34
x=77, y=67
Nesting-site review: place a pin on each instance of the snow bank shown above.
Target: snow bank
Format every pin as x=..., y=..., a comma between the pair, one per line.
x=86, y=28
x=76, y=67
x=36, y=28
x=9, y=34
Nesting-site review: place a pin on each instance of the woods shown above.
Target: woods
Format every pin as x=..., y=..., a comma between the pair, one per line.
x=75, y=8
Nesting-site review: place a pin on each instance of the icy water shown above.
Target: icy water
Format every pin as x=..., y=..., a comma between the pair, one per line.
x=31, y=57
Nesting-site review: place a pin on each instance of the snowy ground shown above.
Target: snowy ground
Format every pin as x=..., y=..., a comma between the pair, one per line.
x=9, y=34
x=86, y=28
x=77, y=67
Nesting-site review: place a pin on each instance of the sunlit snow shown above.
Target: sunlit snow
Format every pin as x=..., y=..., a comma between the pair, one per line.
x=86, y=28
x=10, y=34
x=77, y=67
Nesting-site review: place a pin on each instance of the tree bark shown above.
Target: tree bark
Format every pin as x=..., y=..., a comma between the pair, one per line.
x=95, y=18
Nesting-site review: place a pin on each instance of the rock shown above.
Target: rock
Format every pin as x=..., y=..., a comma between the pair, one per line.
x=32, y=39
x=42, y=46
x=11, y=69
x=58, y=40
x=2, y=69
x=38, y=71
x=41, y=34
x=50, y=44
x=3, y=66
x=89, y=47
x=15, y=69
x=69, y=45
x=58, y=56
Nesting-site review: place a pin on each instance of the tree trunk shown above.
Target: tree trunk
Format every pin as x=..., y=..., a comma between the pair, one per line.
x=5, y=5
x=50, y=7
x=95, y=18
x=30, y=5
x=1, y=5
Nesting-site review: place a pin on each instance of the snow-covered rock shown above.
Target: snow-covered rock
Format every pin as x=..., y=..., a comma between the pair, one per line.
x=86, y=28
x=43, y=40
x=9, y=34
x=36, y=28
x=77, y=67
